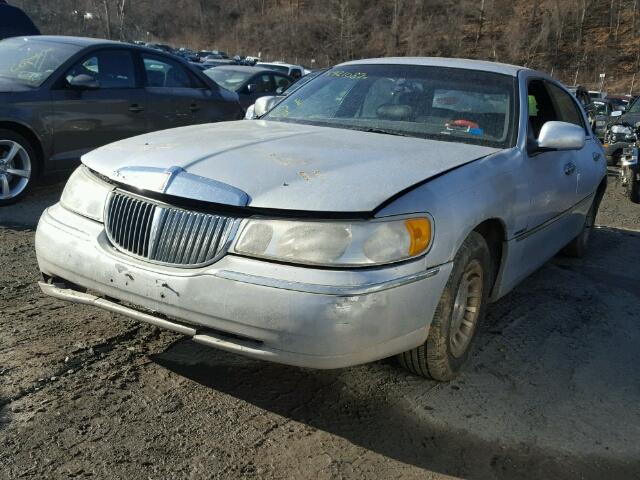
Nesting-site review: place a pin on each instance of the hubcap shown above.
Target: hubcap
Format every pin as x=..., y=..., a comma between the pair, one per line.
x=466, y=309
x=15, y=169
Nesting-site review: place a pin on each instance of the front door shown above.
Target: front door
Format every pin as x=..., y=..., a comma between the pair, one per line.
x=84, y=119
x=553, y=181
x=590, y=161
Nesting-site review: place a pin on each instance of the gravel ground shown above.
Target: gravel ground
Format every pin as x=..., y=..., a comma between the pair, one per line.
x=552, y=390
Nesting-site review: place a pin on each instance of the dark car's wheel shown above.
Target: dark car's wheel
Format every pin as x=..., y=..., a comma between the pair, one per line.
x=18, y=167
x=459, y=312
x=632, y=184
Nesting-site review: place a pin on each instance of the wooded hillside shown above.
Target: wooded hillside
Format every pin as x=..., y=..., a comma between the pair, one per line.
x=572, y=39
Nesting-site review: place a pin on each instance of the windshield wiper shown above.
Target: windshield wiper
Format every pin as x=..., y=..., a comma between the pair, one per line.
x=381, y=130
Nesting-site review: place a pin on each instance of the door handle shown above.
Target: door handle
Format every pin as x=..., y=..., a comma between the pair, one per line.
x=194, y=107
x=135, y=108
x=569, y=168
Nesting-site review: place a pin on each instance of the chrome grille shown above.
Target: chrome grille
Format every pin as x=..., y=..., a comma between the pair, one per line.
x=164, y=234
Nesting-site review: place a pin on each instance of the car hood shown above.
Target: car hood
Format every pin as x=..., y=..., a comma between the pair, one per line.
x=277, y=165
x=10, y=86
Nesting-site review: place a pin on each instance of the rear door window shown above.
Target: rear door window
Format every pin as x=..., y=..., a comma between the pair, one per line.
x=164, y=73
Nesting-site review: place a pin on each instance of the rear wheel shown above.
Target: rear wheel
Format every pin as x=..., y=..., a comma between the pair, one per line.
x=579, y=245
x=18, y=167
x=458, y=315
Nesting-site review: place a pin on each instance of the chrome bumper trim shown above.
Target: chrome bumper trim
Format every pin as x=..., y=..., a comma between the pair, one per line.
x=65, y=293
x=338, y=290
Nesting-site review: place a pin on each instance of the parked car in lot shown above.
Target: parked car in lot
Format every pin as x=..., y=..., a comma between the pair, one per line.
x=250, y=83
x=618, y=102
x=283, y=92
x=599, y=114
x=375, y=212
x=294, y=71
x=581, y=94
x=63, y=96
x=629, y=172
x=617, y=139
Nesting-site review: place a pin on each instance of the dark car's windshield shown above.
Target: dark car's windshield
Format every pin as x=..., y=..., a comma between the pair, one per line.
x=450, y=104
x=229, y=79
x=30, y=62
x=635, y=106
x=601, y=108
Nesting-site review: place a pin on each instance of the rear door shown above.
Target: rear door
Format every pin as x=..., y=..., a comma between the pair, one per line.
x=87, y=119
x=177, y=97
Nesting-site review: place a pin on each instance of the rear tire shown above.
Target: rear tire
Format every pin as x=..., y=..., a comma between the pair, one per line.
x=18, y=167
x=458, y=315
x=578, y=247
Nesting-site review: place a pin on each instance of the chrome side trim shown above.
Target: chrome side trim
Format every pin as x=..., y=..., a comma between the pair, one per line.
x=338, y=290
x=521, y=236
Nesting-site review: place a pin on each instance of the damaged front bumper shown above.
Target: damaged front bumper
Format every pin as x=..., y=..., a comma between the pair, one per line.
x=295, y=315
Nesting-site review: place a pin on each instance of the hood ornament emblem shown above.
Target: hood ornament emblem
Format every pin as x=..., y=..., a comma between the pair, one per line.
x=176, y=181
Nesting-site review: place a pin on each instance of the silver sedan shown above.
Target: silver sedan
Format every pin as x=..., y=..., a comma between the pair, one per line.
x=376, y=211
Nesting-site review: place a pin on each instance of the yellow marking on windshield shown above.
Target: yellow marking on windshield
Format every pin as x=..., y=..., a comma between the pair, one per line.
x=349, y=75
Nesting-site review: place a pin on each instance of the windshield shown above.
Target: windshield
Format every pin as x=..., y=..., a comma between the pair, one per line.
x=229, y=79
x=30, y=62
x=601, y=108
x=448, y=104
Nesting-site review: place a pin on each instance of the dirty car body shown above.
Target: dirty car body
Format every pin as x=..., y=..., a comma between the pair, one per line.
x=324, y=234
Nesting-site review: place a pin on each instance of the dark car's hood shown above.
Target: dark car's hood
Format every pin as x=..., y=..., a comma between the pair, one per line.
x=9, y=86
x=279, y=165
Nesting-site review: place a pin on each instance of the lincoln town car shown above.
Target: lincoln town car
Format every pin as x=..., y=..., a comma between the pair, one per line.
x=374, y=212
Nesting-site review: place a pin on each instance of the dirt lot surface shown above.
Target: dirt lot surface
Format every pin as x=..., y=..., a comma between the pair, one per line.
x=552, y=390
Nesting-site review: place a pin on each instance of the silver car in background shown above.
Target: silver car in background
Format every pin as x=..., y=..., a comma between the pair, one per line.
x=374, y=212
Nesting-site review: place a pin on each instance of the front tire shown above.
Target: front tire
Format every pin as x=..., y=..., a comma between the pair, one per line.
x=632, y=185
x=18, y=167
x=458, y=315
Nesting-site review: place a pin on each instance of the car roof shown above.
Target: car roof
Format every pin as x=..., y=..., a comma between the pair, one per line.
x=481, y=65
x=78, y=41
x=245, y=68
x=280, y=64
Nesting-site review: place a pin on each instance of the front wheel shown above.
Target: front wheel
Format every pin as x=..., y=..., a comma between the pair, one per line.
x=17, y=167
x=458, y=315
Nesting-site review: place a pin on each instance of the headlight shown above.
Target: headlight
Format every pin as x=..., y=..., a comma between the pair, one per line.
x=85, y=194
x=336, y=243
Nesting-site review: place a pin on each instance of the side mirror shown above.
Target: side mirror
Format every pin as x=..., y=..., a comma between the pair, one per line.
x=616, y=113
x=279, y=90
x=561, y=136
x=263, y=105
x=252, y=88
x=84, y=82
x=251, y=113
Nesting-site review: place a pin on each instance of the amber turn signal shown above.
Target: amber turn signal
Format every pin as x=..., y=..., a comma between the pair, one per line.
x=420, y=234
